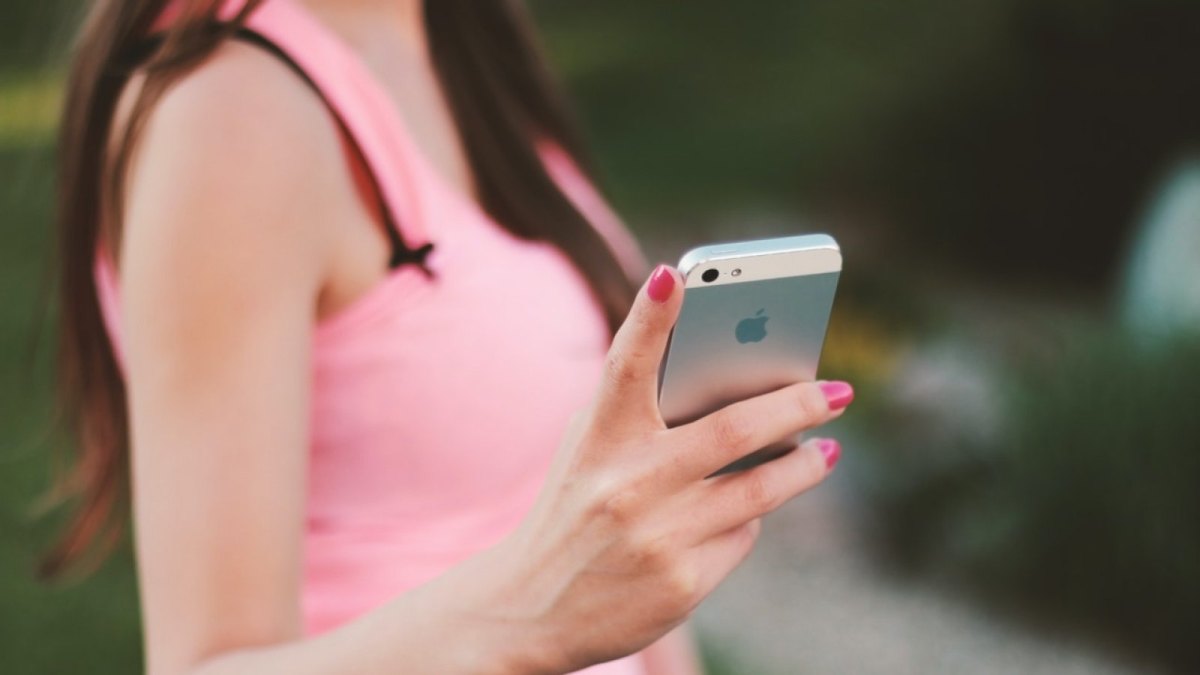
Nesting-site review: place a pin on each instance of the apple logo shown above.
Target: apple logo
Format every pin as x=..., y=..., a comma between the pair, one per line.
x=753, y=329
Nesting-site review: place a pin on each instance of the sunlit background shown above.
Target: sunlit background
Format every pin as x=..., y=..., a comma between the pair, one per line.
x=1016, y=187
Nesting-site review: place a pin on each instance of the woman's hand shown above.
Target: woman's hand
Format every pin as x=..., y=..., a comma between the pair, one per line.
x=629, y=535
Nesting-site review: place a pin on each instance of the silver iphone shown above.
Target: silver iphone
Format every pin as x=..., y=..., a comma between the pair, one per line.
x=753, y=320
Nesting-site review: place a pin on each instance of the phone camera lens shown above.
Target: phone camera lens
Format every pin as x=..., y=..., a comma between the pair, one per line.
x=710, y=275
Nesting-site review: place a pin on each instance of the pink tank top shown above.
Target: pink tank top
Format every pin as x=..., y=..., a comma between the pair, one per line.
x=438, y=403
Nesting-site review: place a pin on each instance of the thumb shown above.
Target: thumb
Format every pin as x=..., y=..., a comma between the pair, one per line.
x=630, y=386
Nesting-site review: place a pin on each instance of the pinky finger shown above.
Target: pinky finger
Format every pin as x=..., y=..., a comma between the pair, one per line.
x=733, y=499
x=722, y=553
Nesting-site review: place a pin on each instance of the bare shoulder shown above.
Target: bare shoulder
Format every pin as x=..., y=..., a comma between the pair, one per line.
x=239, y=160
x=240, y=102
x=245, y=114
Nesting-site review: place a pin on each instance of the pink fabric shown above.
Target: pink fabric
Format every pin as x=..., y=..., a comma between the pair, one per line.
x=437, y=404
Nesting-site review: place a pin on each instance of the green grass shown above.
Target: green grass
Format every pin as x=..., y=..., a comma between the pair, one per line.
x=32, y=100
x=68, y=627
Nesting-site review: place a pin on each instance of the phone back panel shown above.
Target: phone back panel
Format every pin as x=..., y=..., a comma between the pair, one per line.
x=738, y=340
x=756, y=324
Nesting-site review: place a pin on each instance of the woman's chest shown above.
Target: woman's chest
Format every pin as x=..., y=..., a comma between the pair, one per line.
x=453, y=390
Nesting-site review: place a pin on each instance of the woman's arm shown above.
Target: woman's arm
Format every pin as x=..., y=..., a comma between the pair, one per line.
x=221, y=263
x=238, y=201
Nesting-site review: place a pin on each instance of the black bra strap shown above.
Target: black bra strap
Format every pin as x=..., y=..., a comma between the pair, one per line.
x=401, y=253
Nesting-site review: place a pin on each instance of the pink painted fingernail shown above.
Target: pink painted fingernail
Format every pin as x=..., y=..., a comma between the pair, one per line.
x=837, y=394
x=662, y=282
x=831, y=450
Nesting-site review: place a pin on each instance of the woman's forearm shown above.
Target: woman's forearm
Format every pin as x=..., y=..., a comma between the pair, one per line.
x=456, y=623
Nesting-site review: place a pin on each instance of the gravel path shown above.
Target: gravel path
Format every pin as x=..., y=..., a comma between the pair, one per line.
x=810, y=601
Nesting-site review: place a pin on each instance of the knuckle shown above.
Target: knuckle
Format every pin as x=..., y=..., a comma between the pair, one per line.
x=759, y=494
x=681, y=582
x=811, y=403
x=617, y=506
x=795, y=474
x=652, y=553
x=619, y=371
x=731, y=431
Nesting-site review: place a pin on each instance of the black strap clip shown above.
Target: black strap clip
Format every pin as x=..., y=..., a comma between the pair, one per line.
x=402, y=255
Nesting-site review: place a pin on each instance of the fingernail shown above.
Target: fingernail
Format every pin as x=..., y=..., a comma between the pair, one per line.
x=837, y=394
x=831, y=450
x=662, y=282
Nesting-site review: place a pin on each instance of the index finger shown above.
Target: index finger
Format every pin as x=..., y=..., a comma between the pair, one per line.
x=630, y=386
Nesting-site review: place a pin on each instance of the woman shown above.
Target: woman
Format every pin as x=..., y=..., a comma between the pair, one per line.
x=338, y=295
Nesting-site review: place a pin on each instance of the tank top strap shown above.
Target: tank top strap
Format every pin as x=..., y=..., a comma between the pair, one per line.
x=360, y=105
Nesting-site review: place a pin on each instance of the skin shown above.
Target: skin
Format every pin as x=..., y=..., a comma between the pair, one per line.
x=236, y=240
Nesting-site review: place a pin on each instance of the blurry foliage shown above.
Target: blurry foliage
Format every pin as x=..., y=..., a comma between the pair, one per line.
x=1014, y=138
x=30, y=111
x=1086, y=505
x=1037, y=164
x=88, y=627
x=35, y=33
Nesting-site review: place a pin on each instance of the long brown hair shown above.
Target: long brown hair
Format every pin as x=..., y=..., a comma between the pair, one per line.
x=503, y=101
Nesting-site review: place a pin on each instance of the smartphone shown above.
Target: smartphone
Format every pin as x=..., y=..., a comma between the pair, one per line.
x=753, y=320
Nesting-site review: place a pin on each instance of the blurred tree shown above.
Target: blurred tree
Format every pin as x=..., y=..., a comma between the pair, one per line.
x=35, y=33
x=1038, y=165
x=1013, y=138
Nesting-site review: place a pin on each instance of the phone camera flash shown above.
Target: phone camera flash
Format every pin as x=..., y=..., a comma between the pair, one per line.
x=737, y=271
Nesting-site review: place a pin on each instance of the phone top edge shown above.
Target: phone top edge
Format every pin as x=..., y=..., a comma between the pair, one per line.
x=762, y=259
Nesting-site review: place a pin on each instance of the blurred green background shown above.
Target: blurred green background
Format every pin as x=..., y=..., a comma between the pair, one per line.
x=1010, y=180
